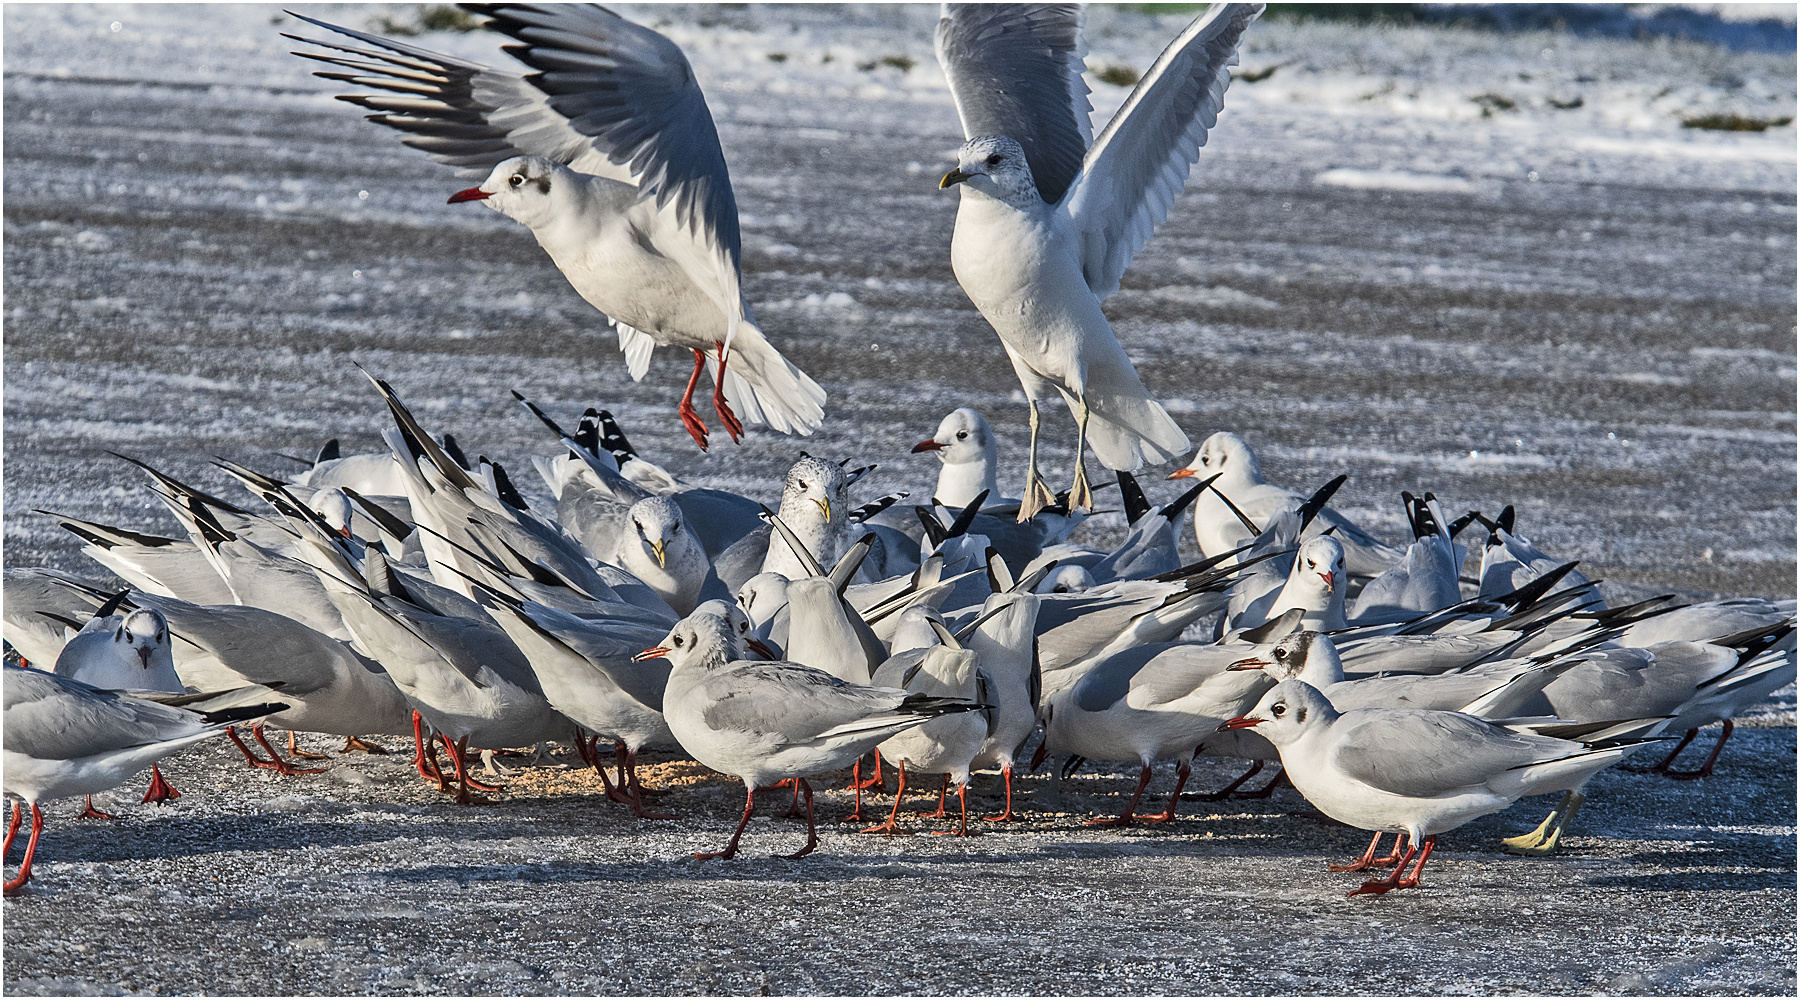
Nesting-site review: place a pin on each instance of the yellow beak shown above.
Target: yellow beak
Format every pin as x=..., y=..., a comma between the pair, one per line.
x=661, y=556
x=825, y=506
x=953, y=177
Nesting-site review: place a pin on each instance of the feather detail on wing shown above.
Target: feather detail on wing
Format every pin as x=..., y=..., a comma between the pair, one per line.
x=1140, y=161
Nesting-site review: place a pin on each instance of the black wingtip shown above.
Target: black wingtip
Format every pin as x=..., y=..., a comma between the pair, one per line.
x=967, y=517
x=328, y=452
x=934, y=529
x=1316, y=503
x=1174, y=511
x=1136, y=504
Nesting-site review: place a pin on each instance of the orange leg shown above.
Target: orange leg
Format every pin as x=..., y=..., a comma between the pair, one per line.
x=275, y=763
x=1705, y=770
x=637, y=790
x=1368, y=859
x=1007, y=815
x=160, y=790
x=295, y=751
x=689, y=419
x=458, y=753
x=875, y=780
x=1168, y=814
x=360, y=745
x=17, y=882
x=420, y=746
x=1398, y=880
x=13, y=829
x=730, y=850
x=1127, y=817
x=892, y=827
x=733, y=426
x=962, y=829
x=812, y=831
x=91, y=813
x=943, y=793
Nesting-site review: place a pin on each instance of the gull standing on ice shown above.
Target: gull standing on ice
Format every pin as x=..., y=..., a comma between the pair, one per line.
x=1048, y=222
x=1412, y=771
x=609, y=155
x=65, y=738
x=765, y=722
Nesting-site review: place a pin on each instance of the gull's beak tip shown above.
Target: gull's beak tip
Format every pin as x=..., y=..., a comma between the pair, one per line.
x=1182, y=474
x=652, y=653
x=955, y=176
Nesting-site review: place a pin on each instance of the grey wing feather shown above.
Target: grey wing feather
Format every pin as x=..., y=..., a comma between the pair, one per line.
x=1015, y=70
x=1140, y=161
x=54, y=718
x=1421, y=753
x=1110, y=680
x=464, y=114
x=633, y=94
x=793, y=702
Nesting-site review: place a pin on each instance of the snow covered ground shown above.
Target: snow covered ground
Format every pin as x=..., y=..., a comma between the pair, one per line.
x=1495, y=266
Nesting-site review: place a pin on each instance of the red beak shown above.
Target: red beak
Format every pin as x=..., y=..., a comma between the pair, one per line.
x=1327, y=578
x=652, y=653
x=472, y=194
x=926, y=446
x=1252, y=663
x=1182, y=474
x=1241, y=722
x=760, y=648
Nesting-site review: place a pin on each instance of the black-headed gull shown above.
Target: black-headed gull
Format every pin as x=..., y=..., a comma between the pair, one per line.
x=946, y=745
x=1412, y=772
x=1426, y=577
x=1241, y=503
x=608, y=153
x=1048, y=223
x=965, y=445
x=765, y=722
x=1006, y=642
x=63, y=737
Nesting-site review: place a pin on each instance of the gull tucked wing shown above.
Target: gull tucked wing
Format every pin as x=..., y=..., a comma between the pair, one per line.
x=1140, y=161
x=1015, y=70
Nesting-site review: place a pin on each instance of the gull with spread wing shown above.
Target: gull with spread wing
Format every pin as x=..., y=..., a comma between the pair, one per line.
x=1048, y=221
x=608, y=153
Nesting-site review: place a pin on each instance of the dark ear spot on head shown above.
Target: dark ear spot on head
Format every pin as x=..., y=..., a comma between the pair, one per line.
x=1300, y=716
x=543, y=184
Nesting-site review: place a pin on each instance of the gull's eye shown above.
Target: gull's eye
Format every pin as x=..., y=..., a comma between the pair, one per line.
x=516, y=180
x=1278, y=710
x=676, y=526
x=805, y=485
x=678, y=641
x=961, y=435
x=1281, y=654
x=994, y=159
x=1205, y=459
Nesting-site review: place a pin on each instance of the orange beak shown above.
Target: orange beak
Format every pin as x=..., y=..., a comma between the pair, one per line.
x=1183, y=474
x=650, y=654
x=472, y=194
x=1327, y=577
x=1241, y=722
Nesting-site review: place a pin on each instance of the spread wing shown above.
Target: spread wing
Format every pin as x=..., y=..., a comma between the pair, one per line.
x=1015, y=70
x=1140, y=161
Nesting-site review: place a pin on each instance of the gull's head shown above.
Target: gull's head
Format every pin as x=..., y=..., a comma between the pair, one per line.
x=961, y=438
x=763, y=595
x=702, y=640
x=334, y=506
x=1226, y=455
x=1067, y=580
x=815, y=488
x=1308, y=656
x=1320, y=565
x=1288, y=712
x=521, y=188
x=146, y=634
x=995, y=165
x=741, y=629
x=656, y=523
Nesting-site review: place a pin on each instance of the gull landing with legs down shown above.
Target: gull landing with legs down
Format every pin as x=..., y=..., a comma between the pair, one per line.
x=1050, y=215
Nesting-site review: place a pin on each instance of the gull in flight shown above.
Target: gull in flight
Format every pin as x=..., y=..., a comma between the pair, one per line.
x=1048, y=220
x=608, y=153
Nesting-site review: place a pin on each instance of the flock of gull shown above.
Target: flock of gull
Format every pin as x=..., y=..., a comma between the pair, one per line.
x=415, y=592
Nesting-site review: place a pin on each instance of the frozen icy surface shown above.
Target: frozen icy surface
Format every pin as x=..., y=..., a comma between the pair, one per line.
x=1406, y=254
